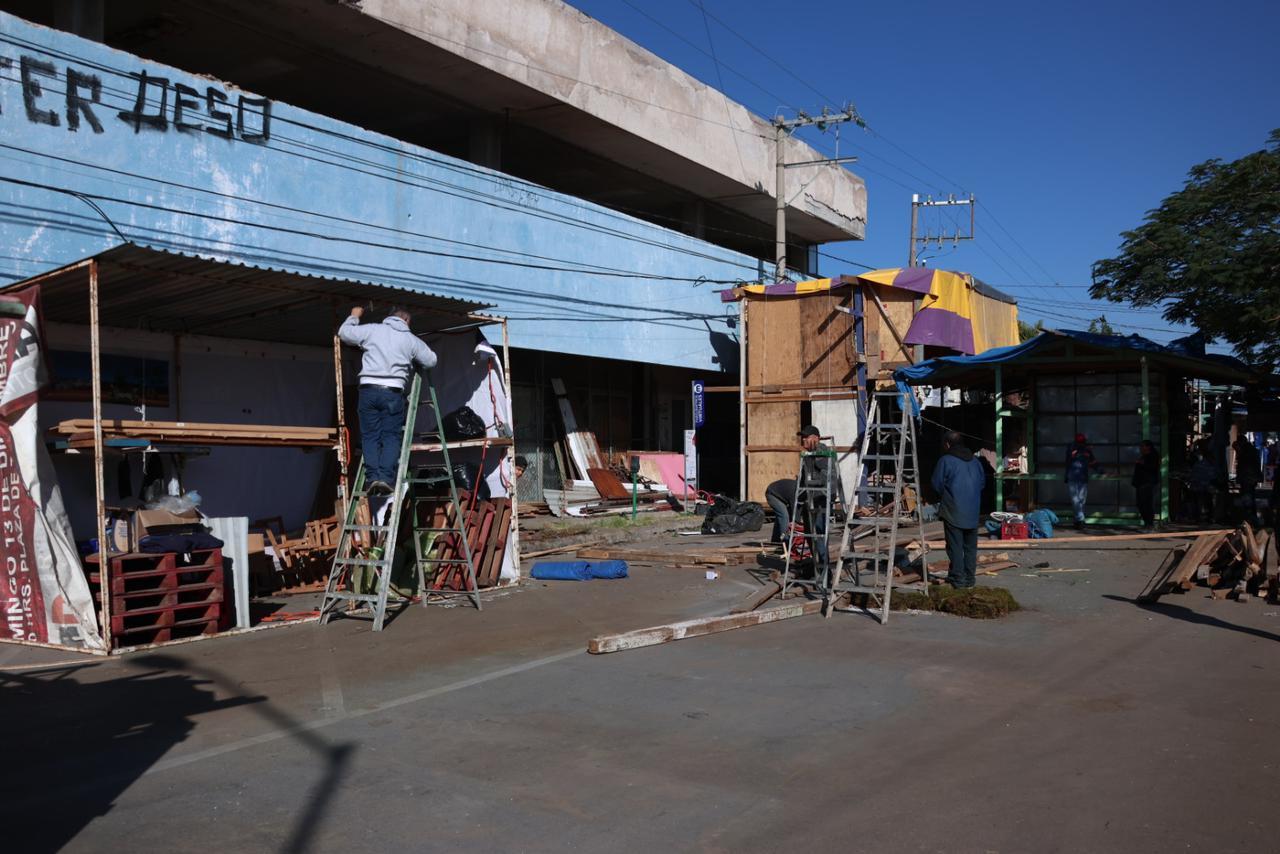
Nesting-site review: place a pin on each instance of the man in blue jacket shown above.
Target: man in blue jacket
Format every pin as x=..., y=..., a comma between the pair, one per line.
x=958, y=479
x=391, y=351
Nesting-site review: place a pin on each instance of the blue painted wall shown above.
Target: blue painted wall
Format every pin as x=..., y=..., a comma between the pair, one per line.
x=197, y=165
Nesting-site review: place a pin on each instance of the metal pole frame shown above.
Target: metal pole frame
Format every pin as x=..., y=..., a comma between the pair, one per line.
x=511, y=451
x=99, y=485
x=780, y=206
x=999, y=383
x=742, y=399
x=341, y=448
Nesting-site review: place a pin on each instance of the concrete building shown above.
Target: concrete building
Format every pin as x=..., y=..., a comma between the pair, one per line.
x=517, y=153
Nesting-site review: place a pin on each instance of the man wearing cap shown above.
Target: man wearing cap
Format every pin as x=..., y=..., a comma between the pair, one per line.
x=1080, y=462
x=391, y=352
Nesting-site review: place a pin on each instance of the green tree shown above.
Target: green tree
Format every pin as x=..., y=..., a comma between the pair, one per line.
x=1026, y=331
x=1210, y=255
x=1100, y=326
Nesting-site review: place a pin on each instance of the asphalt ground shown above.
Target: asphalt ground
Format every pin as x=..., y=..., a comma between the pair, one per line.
x=1083, y=722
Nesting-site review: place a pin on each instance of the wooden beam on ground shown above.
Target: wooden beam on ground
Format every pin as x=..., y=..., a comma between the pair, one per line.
x=758, y=598
x=1109, y=538
x=561, y=549
x=695, y=628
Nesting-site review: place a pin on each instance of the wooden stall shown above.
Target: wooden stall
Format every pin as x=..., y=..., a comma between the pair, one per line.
x=809, y=349
x=198, y=302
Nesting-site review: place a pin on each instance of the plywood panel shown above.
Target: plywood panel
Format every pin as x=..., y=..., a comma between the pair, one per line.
x=770, y=424
x=900, y=306
x=826, y=340
x=764, y=467
x=773, y=341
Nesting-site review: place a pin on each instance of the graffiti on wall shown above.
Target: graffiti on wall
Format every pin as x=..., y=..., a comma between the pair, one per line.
x=159, y=105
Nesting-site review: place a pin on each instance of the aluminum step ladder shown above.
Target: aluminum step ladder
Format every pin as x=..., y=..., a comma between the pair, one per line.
x=823, y=501
x=360, y=575
x=888, y=467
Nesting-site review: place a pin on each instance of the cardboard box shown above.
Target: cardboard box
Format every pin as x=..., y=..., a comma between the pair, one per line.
x=257, y=543
x=155, y=522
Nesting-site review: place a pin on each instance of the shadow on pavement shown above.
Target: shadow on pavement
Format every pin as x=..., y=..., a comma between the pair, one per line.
x=72, y=748
x=1182, y=612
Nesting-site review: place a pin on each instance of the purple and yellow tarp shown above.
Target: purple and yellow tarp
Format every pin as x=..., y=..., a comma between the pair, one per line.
x=956, y=310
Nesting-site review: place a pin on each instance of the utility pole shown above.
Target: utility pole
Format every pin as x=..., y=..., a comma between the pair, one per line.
x=782, y=128
x=941, y=236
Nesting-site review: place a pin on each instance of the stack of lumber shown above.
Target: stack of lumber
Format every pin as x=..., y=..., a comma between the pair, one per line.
x=79, y=433
x=1237, y=564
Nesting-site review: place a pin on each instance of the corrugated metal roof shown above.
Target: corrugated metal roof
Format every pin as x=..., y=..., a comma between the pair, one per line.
x=145, y=287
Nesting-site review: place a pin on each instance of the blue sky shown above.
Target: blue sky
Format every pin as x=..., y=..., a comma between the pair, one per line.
x=1067, y=121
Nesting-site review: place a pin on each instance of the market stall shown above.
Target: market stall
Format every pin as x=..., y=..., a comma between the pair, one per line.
x=153, y=394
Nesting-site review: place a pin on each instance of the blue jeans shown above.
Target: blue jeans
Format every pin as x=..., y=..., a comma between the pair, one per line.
x=1079, y=495
x=781, y=514
x=381, y=412
x=962, y=549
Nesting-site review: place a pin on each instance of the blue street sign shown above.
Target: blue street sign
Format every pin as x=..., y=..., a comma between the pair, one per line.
x=699, y=404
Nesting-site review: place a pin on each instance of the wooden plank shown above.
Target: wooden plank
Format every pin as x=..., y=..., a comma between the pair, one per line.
x=655, y=556
x=655, y=635
x=766, y=592
x=1108, y=538
x=80, y=425
x=561, y=549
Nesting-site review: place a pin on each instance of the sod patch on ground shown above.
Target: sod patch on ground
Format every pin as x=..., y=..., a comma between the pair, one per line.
x=981, y=603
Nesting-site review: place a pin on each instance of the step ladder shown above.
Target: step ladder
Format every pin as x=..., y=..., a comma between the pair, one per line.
x=888, y=467
x=814, y=502
x=366, y=551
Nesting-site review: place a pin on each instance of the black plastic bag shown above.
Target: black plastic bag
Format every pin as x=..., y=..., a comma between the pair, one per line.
x=727, y=516
x=463, y=423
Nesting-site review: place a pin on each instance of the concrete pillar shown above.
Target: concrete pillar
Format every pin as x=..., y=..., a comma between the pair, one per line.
x=81, y=17
x=484, y=142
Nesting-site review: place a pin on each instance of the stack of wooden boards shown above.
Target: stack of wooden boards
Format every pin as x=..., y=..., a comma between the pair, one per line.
x=1238, y=564
x=78, y=432
x=488, y=526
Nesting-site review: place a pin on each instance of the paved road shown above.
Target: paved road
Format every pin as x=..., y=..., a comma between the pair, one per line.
x=1083, y=723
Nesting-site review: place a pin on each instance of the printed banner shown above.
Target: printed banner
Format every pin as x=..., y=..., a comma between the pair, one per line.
x=44, y=595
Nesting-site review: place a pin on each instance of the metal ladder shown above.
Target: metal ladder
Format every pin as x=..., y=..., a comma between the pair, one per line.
x=888, y=466
x=815, y=500
x=352, y=560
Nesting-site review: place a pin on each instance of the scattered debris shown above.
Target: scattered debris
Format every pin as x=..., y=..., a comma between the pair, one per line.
x=1232, y=564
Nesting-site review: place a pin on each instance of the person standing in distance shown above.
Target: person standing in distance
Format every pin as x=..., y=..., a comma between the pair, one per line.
x=391, y=351
x=958, y=478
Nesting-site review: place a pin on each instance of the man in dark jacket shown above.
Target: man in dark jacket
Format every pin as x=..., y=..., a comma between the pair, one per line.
x=1146, y=480
x=958, y=479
